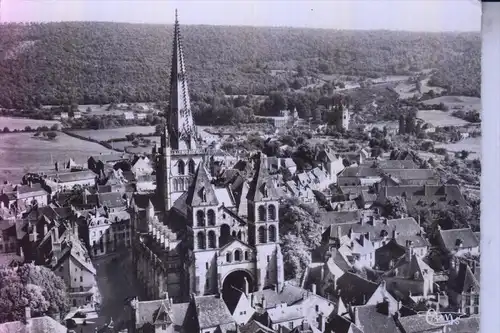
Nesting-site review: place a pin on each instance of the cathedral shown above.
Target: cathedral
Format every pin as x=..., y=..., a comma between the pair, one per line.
x=199, y=234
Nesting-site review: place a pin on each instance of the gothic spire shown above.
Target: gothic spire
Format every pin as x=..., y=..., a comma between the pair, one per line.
x=179, y=117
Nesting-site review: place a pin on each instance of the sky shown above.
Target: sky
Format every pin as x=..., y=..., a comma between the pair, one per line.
x=410, y=15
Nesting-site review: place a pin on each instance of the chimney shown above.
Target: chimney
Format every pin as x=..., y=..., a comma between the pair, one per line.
x=263, y=303
x=362, y=220
x=394, y=233
x=2, y=204
x=252, y=300
x=321, y=322
x=313, y=287
x=409, y=250
x=45, y=229
x=356, y=316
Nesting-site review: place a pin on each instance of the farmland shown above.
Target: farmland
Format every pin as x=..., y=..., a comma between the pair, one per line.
x=21, y=123
x=21, y=152
x=457, y=102
x=440, y=118
x=114, y=133
x=472, y=145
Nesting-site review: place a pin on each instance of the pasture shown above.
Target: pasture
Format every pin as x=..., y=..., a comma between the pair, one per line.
x=440, y=118
x=20, y=123
x=472, y=145
x=21, y=153
x=457, y=102
x=114, y=133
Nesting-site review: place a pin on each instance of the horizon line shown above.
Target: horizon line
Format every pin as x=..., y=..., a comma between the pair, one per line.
x=243, y=26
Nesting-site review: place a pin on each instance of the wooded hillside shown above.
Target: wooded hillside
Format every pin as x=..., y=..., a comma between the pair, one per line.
x=90, y=62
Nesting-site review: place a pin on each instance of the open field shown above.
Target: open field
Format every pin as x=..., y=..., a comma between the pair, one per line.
x=408, y=90
x=20, y=123
x=457, y=102
x=440, y=118
x=114, y=133
x=472, y=145
x=118, y=109
x=21, y=153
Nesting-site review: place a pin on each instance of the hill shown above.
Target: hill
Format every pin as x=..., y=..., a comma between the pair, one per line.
x=94, y=63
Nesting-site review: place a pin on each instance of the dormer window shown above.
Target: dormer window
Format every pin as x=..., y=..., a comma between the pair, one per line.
x=203, y=195
x=264, y=191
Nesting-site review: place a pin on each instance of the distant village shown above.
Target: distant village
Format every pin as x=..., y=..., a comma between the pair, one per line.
x=201, y=230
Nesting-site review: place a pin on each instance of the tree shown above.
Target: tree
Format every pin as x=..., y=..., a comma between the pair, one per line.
x=54, y=127
x=6, y=129
x=54, y=288
x=34, y=286
x=296, y=256
x=51, y=135
x=395, y=207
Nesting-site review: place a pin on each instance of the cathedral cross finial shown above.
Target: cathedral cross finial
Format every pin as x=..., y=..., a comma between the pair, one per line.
x=176, y=18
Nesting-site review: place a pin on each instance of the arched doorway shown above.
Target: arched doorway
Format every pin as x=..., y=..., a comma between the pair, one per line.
x=235, y=283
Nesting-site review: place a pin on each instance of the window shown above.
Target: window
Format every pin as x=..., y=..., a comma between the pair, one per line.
x=200, y=238
x=262, y=213
x=467, y=311
x=74, y=302
x=246, y=255
x=211, y=239
x=237, y=255
x=268, y=258
x=180, y=167
x=262, y=235
x=476, y=299
x=476, y=310
x=60, y=269
x=191, y=167
x=164, y=327
x=272, y=233
x=211, y=217
x=81, y=278
x=467, y=299
x=272, y=212
x=206, y=265
x=228, y=257
x=200, y=218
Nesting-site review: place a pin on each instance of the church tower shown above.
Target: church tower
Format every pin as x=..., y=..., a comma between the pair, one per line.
x=202, y=205
x=345, y=118
x=179, y=116
x=263, y=229
x=176, y=171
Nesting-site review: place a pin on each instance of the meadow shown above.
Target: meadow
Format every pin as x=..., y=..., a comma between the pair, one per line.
x=20, y=123
x=114, y=133
x=21, y=153
x=440, y=118
x=472, y=145
x=457, y=102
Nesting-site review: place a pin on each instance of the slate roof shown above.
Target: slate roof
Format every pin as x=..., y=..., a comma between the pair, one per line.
x=201, y=185
x=465, y=280
x=337, y=217
x=394, y=164
x=428, y=193
x=373, y=321
x=261, y=184
x=451, y=237
x=290, y=294
x=25, y=191
x=405, y=269
x=344, y=205
x=212, y=311
x=37, y=325
x=466, y=325
x=354, y=289
x=360, y=172
x=283, y=314
x=111, y=199
x=416, y=324
x=67, y=177
x=254, y=326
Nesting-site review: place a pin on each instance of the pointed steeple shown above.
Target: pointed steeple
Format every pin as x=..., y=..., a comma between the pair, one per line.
x=201, y=192
x=262, y=186
x=180, y=122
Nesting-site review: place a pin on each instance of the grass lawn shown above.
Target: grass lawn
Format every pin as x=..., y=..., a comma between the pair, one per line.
x=20, y=123
x=472, y=145
x=21, y=153
x=115, y=133
x=457, y=102
x=440, y=118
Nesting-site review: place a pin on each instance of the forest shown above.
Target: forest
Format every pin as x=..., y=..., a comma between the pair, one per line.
x=100, y=63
